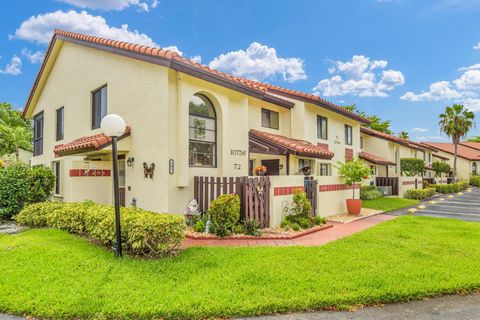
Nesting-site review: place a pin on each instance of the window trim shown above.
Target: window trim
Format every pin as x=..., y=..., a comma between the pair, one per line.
x=269, y=125
x=215, y=158
x=58, y=175
x=57, y=136
x=347, y=142
x=92, y=100
x=319, y=132
x=35, y=139
x=312, y=166
x=329, y=169
x=474, y=165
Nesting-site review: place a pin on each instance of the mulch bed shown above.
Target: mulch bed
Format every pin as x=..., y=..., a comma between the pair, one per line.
x=269, y=234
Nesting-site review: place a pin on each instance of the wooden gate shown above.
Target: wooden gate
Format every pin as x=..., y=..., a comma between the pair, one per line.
x=254, y=193
x=310, y=187
x=392, y=182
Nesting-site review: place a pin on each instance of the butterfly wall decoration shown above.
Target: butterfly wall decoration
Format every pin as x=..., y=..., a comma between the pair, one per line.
x=148, y=170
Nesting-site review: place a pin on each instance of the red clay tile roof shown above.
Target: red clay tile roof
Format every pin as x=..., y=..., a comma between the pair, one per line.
x=438, y=156
x=88, y=143
x=389, y=137
x=463, y=151
x=293, y=146
x=173, y=60
x=375, y=159
x=471, y=144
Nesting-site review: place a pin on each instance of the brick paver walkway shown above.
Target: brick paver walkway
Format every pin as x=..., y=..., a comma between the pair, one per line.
x=339, y=230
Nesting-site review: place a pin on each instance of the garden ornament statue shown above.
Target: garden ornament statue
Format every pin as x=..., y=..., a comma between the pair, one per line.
x=208, y=226
x=192, y=208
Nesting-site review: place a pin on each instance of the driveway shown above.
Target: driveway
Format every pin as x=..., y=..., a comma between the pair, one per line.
x=463, y=207
x=442, y=308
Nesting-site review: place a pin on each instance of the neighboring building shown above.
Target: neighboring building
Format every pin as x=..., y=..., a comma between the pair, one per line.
x=468, y=156
x=184, y=120
x=23, y=156
x=383, y=152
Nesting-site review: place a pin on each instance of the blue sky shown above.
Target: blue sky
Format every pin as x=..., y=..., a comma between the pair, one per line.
x=404, y=60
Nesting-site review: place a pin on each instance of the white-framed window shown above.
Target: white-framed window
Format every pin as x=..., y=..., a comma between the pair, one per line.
x=322, y=128
x=348, y=135
x=324, y=169
x=202, y=132
x=474, y=168
x=305, y=164
x=56, y=167
x=373, y=170
x=270, y=119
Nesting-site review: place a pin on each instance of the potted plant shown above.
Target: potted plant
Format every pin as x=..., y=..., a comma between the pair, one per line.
x=353, y=172
x=260, y=170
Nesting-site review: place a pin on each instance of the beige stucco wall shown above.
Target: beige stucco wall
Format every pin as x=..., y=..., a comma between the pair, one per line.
x=154, y=102
x=23, y=156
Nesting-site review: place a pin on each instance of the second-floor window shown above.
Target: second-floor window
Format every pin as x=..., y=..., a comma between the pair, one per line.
x=99, y=106
x=361, y=142
x=59, y=124
x=270, y=119
x=322, y=128
x=348, y=135
x=38, y=134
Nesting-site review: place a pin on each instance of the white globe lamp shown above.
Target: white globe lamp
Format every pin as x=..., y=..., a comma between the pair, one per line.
x=113, y=125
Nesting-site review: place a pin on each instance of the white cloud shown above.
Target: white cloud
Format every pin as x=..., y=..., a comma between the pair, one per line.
x=360, y=77
x=477, y=46
x=33, y=57
x=39, y=28
x=197, y=59
x=107, y=5
x=259, y=62
x=472, y=104
x=438, y=91
x=14, y=67
x=469, y=80
x=419, y=130
x=432, y=139
x=472, y=67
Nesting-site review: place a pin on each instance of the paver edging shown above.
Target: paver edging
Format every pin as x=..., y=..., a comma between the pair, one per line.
x=273, y=237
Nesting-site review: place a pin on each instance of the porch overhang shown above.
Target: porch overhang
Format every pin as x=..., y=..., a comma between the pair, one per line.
x=375, y=159
x=270, y=143
x=88, y=144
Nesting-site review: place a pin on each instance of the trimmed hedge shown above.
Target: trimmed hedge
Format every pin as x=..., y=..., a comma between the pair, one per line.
x=412, y=166
x=369, y=193
x=419, y=194
x=452, y=187
x=475, y=181
x=144, y=233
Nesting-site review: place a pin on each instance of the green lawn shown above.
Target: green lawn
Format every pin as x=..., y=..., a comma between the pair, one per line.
x=49, y=273
x=389, y=204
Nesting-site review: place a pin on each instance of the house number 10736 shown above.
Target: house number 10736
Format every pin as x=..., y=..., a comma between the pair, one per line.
x=237, y=166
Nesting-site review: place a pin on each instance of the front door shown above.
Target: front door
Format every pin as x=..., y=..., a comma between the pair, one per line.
x=273, y=167
x=121, y=179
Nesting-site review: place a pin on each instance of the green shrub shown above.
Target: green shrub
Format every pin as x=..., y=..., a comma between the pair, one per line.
x=224, y=213
x=199, y=226
x=239, y=229
x=295, y=227
x=452, y=187
x=319, y=220
x=299, y=212
x=412, y=166
x=21, y=185
x=369, y=193
x=143, y=233
x=419, y=194
x=475, y=181
x=440, y=167
x=252, y=228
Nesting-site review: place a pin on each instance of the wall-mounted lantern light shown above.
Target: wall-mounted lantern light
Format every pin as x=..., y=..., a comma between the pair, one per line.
x=130, y=161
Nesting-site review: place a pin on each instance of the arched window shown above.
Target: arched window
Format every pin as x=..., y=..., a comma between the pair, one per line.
x=474, y=168
x=202, y=132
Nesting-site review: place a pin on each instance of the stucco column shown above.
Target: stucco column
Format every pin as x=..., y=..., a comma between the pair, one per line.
x=183, y=172
x=298, y=120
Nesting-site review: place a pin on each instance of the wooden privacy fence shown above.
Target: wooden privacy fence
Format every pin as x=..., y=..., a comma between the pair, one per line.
x=254, y=193
x=392, y=182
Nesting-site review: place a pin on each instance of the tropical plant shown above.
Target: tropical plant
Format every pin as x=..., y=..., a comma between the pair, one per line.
x=375, y=122
x=403, y=135
x=456, y=122
x=440, y=167
x=15, y=132
x=352, y=172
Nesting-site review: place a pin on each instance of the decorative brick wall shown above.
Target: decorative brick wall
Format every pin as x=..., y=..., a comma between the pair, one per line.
x=348, y=154
x=410, y=182
x=285, y=191
x=89, y=173
x=336, y=187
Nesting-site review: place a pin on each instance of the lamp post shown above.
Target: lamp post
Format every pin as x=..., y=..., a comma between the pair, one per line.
x=114, y=126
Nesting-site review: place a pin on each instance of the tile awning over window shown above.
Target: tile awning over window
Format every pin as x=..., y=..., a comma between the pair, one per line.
x=375, y=159
x=87, y=143
x=278, y=144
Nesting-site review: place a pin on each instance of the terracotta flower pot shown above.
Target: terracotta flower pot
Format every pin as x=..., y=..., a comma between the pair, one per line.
x=354, y=206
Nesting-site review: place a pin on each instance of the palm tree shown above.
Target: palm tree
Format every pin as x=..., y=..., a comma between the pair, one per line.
x=403, y=135
x=455, y=122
